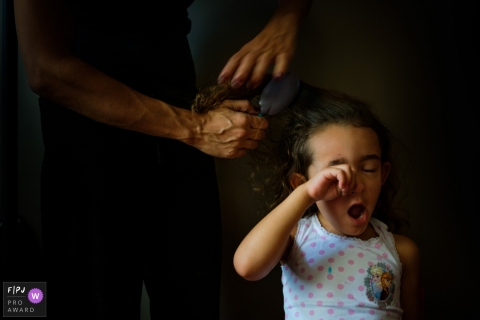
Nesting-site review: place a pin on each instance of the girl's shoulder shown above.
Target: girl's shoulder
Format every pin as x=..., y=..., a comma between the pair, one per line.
x=408, y=250
x=405, y=244
x=409, y=253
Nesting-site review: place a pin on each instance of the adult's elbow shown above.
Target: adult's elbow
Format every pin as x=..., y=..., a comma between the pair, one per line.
x=41, y=72
x=37, y=79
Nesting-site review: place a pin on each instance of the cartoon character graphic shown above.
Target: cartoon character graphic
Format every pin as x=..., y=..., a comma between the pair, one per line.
x=375, y=282
x=386, y=282
x=380, y=284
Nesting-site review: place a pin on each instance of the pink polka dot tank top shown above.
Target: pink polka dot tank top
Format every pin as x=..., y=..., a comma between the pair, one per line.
x=328, y=276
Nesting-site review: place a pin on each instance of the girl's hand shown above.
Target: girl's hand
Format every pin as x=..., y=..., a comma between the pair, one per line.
x=331, y=182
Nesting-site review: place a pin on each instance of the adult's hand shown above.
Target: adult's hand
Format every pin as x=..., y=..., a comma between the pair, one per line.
x=229, y=130
x=275, y=44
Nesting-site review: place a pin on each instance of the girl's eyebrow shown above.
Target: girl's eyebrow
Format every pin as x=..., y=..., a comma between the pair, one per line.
x=370, y=156
x=363, y=158
x=336, y=161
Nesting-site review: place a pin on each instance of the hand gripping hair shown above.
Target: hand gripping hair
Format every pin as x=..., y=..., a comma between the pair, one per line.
x=271, y=97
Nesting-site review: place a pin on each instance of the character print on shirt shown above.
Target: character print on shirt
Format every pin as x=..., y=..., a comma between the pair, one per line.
x=380, y=284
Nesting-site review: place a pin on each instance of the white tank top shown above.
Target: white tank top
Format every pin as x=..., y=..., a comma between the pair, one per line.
x=328, y=276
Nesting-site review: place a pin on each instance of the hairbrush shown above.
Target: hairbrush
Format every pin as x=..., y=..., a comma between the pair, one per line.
x=278, y=94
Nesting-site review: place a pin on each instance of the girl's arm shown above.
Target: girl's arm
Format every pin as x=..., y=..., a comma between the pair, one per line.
x=45, y=37
x=410, y=287
x=264, y=246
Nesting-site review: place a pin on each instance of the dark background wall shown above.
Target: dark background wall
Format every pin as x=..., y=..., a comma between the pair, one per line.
x=413, y=60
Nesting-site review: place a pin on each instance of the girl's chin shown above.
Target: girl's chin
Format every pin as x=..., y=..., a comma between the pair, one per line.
x=348, y=226
x=357, y=227
x=361, y=220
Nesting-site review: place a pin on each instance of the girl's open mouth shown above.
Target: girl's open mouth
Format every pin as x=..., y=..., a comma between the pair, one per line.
x=356, y=211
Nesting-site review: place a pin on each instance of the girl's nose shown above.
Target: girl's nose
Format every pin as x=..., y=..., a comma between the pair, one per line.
x=359, y=186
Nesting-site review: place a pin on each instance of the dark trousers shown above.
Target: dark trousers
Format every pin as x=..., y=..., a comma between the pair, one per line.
x=119, y=208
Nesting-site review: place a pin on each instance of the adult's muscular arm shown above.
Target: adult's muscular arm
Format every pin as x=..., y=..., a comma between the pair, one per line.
x=45, y=35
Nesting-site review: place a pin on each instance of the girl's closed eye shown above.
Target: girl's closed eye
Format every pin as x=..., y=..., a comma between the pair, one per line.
x=371, y=166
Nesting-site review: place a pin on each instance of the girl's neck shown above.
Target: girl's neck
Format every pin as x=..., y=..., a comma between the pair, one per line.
x=368, y=234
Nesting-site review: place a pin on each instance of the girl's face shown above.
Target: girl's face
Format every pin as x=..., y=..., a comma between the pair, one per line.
x=359, y=148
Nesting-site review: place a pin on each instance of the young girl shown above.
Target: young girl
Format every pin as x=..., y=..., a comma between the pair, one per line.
x=335, y=183
x=330, y=226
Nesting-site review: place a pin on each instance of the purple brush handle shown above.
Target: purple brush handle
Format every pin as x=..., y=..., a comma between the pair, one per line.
x=278, y=94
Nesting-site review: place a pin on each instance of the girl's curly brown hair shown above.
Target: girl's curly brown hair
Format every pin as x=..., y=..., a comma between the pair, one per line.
x=211, y=97
x=285, y=150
